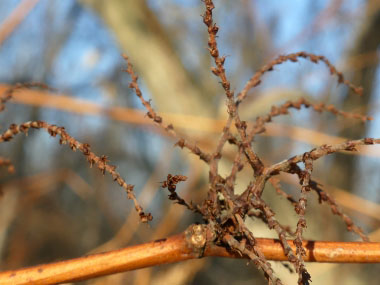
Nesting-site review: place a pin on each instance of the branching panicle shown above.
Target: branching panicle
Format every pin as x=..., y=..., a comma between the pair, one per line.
x=92, y=158
x=301, y=224
x=259, y=126
x=158, y=120
x=293, y=57
x=233, y=224
x=224, y=210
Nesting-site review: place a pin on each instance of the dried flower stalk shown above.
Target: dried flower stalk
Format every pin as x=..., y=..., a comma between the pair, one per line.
x=100, y=161
x=224, y=232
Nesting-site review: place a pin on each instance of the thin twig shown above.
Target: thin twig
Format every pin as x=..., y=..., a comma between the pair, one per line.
x=100, y=161
x=293, y=57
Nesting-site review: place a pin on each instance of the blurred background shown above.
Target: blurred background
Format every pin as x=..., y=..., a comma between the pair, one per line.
x=55, y=207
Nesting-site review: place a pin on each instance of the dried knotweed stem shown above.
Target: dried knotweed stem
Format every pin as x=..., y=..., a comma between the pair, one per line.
x=258, y=203
x=276, y=185
x=253, y=159
x=245, y=142
x=134, y=85
x=265, y=213
x=288, y=164
x=171, y=183
x=319, y=107
x=255, y=188
x=336, y=210
x=326, y=198
x=253, y=245
x=7, y=95
x=300, y=208
x=236, y=167
x=218, y=152
x=7, y=163
x=283, y=109
x=241, y=248
x=101, y=162
x=212, y=30
x=293, y=57
x=157, y=119
x=194, y=149
x=249, y=236
x=220, y=72
x=259, y=215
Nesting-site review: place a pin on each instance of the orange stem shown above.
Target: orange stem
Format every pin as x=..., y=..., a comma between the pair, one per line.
x=170, y=250
x=179, y=248
x=316, y=251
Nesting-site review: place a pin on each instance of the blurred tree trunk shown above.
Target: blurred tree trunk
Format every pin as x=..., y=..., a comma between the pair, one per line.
x=141, y=37
x=367, y=41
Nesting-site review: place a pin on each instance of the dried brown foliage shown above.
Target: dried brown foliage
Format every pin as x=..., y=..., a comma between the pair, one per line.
x=223, y=210
x=171, y=183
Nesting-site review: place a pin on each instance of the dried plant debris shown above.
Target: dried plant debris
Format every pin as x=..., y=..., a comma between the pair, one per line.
x=223, y=209
x=101, y=162
x=226, y=211
x=157, y=119
x=8, y=94
x=171, y=184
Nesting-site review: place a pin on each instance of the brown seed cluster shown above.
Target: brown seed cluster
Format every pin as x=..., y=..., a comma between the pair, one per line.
x=225, y=210
x=171, y=184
